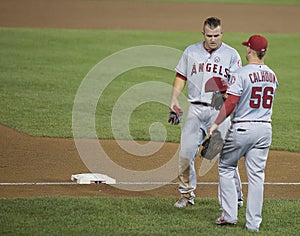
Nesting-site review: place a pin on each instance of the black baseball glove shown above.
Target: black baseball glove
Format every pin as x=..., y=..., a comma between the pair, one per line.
x=212, y=146
x=175, y=115
x=217, y=100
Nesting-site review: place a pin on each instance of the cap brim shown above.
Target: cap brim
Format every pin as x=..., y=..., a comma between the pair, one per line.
x=245, y=43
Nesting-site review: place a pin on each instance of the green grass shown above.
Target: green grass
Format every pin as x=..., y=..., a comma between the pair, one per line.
x=136, y=216
x=41, y=70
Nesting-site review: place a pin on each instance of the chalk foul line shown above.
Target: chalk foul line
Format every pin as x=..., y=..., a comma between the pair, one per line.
x=134, y=183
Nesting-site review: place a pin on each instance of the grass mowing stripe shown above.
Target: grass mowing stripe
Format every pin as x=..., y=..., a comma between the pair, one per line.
x=136, y=216
x=41, y=70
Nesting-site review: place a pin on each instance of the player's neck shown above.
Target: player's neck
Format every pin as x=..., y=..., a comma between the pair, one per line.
x=210, y=50
x=255, y=60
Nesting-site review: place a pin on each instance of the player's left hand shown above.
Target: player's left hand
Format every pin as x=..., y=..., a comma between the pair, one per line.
x=175, y=115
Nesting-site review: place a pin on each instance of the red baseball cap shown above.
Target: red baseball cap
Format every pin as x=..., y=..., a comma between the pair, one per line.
x=257, y=43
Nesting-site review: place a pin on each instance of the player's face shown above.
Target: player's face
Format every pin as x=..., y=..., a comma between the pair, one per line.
x=248, y=51
x=212, y=37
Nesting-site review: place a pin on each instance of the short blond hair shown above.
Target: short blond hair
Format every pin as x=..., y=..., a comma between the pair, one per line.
x=212, y=22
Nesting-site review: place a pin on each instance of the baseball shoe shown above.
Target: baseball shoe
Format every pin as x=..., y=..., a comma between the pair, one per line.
x=221, y=221
x=240, y=203
x=183, y=202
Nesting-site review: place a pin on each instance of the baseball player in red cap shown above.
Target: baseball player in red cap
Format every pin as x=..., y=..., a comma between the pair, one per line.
x=250, y=99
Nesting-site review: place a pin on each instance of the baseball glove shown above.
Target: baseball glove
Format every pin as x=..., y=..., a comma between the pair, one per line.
x=217, y=100
x=212, y=146
x=175, y=115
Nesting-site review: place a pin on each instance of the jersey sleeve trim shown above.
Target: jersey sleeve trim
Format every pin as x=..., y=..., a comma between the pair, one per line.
x=232, y=93
x=180, y=76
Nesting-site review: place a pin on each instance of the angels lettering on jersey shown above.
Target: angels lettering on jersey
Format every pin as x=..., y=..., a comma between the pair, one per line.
x=211, y=68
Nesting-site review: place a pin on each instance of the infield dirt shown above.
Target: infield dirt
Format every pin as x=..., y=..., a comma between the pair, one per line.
x=33, y=159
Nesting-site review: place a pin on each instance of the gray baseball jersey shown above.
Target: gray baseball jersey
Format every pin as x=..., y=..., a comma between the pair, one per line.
x=256, y=84
x=198, y=65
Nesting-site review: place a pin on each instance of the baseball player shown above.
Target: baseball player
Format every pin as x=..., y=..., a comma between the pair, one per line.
x=251, y=93
x=199, y=63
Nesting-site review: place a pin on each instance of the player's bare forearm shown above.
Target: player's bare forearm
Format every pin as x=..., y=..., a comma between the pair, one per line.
x=212, y=129
x=178, y=86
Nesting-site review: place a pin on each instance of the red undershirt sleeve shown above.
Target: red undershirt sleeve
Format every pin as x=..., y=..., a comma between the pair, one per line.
x=181, y=76
x=227, y=108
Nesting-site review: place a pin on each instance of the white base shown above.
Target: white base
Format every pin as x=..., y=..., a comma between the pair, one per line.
x=92, y=178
